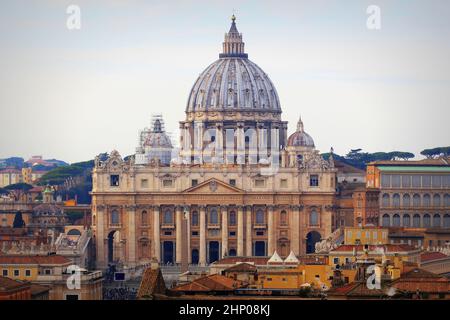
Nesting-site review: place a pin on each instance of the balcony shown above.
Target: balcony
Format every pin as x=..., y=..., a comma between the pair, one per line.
x=258, y=225
x=213, y=226
x=166, y=226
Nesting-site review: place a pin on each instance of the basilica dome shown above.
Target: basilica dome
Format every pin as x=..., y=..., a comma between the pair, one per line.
x=300, y=138
x=233, y=82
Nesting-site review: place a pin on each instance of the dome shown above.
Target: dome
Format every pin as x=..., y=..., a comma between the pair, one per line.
x=300, y=138
x=47, y=209
x=157, y=138
x=233, y=82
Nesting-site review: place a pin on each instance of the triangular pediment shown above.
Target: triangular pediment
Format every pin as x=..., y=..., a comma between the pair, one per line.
x=213, y=186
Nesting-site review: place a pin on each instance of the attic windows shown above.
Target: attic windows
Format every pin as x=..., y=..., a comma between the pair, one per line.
x=314, y=180
x=260, y=183
x=114, y=180
x=167, y=183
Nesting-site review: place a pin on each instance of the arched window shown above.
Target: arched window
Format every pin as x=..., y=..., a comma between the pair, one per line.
x=436, y=200
x=386, y=220
x=426, y=200
x=426, y=221
x=168, y=217
x=115, y=217
x=396, y=200
x=396, y=220
x=436, y=220
x=232, y=253
x=406, y=220
x=259, y=216
x=447, y=200
x=406, y=200
x=416, y=200
x=447, y=221
x=144, y=218
x=213, y=217
x=416, y=221
x=232, y=220
x=194, y=220
x=386, y=200
x=283, y=218
x=313, y=218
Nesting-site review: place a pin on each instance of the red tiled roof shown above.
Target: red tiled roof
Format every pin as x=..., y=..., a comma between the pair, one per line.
x=10, y=284
x=241, y=267
x=40, y=260
x=386, y=247
x=429, y=256
x=439, y=161
x=152, y=282
x=421, y=280
x=215, y=282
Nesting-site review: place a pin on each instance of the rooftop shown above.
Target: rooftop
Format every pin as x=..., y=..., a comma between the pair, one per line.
x=30, y=260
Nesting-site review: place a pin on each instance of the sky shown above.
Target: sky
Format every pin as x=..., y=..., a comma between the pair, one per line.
x=72, y=94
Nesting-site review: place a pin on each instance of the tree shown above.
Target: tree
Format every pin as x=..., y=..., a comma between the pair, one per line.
x=401, y=155
x=435, y=152
x=24, y=187
x=18, y=220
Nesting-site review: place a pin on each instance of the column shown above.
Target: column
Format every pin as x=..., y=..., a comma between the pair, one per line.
x=240, y=232
x=248, y=236
x=179, y=234
x=224, y=231
x=270, y=230
x=156, y=234
x=188, y=231
x=131, y=235
x=100, y=235
x=202, y=255
x=295, y=242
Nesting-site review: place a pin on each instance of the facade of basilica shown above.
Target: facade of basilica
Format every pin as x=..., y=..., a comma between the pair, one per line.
x=237, y=186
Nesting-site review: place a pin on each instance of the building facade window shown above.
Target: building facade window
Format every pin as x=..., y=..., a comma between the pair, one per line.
x=144, y=183
x=314, y=218
x=386, y=222
x=144, y=218
x=167, y=183
x=168, y=217
x=314, y=180
x=386, y=200
x=406, y=220
x=416, y=200
x=406, y=200
x=194, y=182
x=436, y=200
x=213, y=217
x=426, y=201
x=194, y=220
x=260, y=183
x=396, y=200
x=232, y=220
x=283, y=218
x=426, y=221
x=259, y=216
x=416, y=221
x=436, y=220
x=114, y=180
x=447, y=200
x=396, y=220
x=115, y=218
x=447, y=221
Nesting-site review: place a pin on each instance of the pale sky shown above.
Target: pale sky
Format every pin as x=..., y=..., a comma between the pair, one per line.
x=73, y=94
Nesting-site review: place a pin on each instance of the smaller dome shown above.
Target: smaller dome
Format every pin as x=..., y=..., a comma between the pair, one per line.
x=300, y=138
x=157, y=138
x=47, y=209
